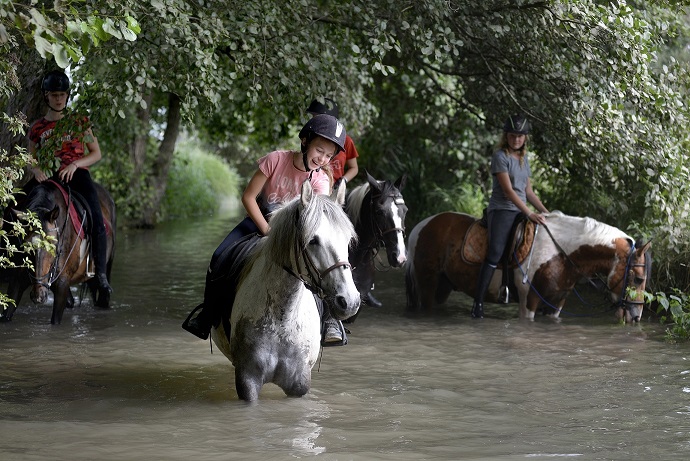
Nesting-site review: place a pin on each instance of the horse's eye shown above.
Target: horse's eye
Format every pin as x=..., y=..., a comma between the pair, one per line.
x=314, y=241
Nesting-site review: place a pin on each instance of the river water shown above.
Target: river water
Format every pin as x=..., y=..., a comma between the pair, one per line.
x=129, y=384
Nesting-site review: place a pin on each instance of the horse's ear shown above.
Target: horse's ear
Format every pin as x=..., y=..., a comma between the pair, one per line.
x=373, y=183
x=307, y=193
x=645, y=247
x=338, y=195
x=400, y=183
x=54, y=213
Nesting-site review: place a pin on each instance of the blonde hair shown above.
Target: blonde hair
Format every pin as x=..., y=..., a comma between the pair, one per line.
x=505, y=147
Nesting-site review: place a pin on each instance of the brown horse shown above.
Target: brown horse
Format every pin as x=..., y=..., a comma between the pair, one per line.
x=66, y=221
x=564, y=251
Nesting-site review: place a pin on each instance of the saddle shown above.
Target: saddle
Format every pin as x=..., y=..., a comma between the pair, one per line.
x=81, y=217
x=227, y=270
x=476, y=242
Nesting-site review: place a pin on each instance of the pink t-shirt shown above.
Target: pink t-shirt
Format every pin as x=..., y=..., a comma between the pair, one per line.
x=285, y=181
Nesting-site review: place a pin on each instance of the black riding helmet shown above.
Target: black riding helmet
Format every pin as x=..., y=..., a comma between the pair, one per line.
x=330, y=107
x=517, y=124
x=55, y=80
x=327, y=127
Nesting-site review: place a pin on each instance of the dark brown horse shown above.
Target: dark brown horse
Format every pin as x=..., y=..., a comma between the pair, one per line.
x=564, y=251
x=70, y=262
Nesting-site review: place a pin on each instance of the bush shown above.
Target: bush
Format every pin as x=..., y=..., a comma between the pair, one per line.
x=198, y=182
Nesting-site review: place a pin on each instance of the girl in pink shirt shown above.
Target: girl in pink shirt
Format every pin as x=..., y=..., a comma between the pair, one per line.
x=278, y=180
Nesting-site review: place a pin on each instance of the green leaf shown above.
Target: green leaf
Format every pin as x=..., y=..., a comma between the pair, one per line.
x=60, y=55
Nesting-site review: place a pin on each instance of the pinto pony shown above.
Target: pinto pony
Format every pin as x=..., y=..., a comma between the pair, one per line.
x=66, y=220
x=272, y=330
x=377, y=210
x=565, y=250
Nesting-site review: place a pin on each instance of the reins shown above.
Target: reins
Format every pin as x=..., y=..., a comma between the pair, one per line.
x=622, y=299
x=313, y=277
x=58, y=249
x=376, y=230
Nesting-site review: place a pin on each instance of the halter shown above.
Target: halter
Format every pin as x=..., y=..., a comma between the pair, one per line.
x=313, y=277
x=378, y=232
x=622, y=302
x=53, y=273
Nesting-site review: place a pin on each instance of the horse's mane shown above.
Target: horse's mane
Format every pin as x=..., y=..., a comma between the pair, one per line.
x=356, y=198
x=575, y=231
x=39, y=200
x=289, y=225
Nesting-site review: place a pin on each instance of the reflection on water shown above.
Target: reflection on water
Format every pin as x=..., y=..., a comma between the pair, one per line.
x=128, y=383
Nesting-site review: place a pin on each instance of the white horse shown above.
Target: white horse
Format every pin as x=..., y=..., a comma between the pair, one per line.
x=275, y=327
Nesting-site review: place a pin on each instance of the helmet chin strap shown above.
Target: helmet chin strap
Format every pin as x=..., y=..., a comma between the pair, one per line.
x=306, y=166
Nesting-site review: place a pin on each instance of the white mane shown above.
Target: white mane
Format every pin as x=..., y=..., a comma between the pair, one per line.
x=573, y=232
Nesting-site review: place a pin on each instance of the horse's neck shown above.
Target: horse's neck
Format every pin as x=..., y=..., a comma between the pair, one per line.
x=279, y=281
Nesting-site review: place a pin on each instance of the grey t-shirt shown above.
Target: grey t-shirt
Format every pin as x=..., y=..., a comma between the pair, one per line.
x=504, y=163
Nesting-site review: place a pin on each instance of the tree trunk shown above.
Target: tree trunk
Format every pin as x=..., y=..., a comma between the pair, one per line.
x=158, y=180
x=138, y=149
x=28, y=100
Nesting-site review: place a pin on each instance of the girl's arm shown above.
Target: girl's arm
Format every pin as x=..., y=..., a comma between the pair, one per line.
x=533, y=199
x=38, y=173
x=250, y=204
x=504, y=181
x=87, y=160
x=352, y=169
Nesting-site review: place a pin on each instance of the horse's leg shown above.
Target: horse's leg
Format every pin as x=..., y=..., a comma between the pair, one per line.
x=19, y=282
x=60, y=291
x=247, y=385
x=292, y=383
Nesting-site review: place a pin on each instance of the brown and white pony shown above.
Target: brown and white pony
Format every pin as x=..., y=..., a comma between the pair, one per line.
x=70, y=263
x=567, y=250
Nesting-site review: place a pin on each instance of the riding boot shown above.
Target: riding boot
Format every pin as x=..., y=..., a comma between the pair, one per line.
x=485, y=274
x=100, y=248
x=370, y=300
x=209, y=312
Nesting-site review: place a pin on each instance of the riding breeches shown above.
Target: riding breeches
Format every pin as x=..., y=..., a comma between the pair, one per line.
x=500, y=225
x=83, y=184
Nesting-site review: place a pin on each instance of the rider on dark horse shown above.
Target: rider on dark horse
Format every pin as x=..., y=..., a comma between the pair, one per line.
x=76, y=149
x=277, y=180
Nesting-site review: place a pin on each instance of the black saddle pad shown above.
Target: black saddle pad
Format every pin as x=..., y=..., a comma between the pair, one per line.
x=232, y=259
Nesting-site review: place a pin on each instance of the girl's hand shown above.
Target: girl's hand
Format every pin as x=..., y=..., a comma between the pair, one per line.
x=39, y=175
x=537, y=218
x=67, y=172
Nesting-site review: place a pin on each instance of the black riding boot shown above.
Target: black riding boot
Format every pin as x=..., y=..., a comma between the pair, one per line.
x=209, y=313
x=100, y=249
x=485, y=274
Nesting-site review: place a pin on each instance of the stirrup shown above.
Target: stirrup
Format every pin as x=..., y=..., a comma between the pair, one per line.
x=343, y=334
x=192, y=325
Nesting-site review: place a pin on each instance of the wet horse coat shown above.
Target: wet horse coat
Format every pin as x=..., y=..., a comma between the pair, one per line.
x=570, y=248
x=377, y=210
x=71, y=263
x=275, y=328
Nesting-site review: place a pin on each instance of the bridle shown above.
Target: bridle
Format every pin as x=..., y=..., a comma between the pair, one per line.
x=306, y=270
x=623, y=301
x=377, y=231
x=54, y=271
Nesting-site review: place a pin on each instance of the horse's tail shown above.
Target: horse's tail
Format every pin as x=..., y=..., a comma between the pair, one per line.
x=411, y=287
x=412, y=293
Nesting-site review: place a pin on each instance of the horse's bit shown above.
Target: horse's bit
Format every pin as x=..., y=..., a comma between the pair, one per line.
x=623, y=298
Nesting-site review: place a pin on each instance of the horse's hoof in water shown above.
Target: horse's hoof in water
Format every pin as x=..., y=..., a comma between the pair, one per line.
x=370, y=300
x=478, y=310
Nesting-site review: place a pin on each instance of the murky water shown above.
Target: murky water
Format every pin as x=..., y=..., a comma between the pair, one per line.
x=128, y=383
